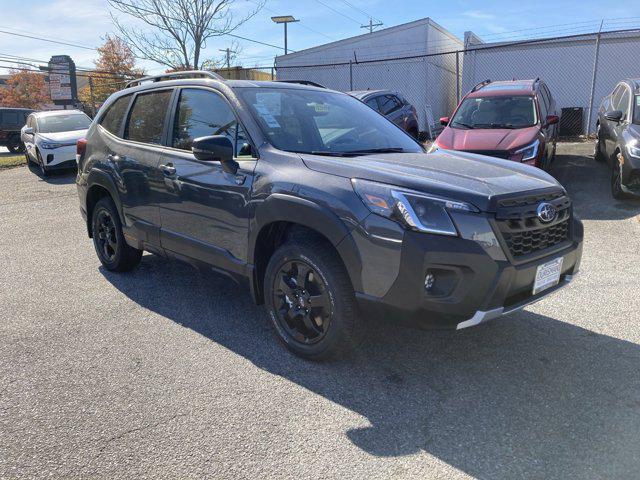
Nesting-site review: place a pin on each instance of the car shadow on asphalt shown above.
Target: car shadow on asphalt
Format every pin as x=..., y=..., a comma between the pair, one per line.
x=527, y=396
x=58, y=177
x=588, y=184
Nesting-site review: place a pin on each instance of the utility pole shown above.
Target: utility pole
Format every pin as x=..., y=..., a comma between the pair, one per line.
x=371, y=25
x=228, y=51
x=93, y=102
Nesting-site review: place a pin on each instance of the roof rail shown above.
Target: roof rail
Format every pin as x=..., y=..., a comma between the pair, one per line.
x=478, y=86
x=174, y=76
x=303, y=82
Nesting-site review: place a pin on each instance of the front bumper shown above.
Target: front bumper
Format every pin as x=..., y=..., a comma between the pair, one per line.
x=59, y=158
x=475, y=283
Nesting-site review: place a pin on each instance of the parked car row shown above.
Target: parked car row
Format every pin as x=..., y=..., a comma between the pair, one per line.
x=327, y=210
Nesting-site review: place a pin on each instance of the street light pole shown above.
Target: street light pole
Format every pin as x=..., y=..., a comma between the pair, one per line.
x=286, y=19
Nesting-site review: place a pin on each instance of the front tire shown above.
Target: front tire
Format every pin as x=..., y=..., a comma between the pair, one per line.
x=597, y=149
x=310, y=298
x=616, y=178
x=112, y=249
x=44, y=171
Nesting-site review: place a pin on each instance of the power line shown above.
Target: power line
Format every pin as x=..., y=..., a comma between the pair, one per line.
x=34, y=37
x=338, y=12
x=358, y=9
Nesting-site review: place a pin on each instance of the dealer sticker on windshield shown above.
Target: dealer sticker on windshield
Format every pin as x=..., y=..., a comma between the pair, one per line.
x=547, y=275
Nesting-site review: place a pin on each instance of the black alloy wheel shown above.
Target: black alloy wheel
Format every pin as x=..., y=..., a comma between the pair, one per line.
x=302, y=301
x=106, y=236
x=111, y=247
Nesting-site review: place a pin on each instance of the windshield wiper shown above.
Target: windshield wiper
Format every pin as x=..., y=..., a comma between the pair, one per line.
x=375, y=150
x=462, y=124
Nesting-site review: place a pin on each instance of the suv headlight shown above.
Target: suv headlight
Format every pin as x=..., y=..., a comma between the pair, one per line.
x=50, y=145
x=633, y=148
x=530, y=152
x=414, y=210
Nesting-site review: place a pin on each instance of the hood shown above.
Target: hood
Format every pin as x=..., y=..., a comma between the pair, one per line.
x=467, y=177
x=487, y=138
x=65, y=137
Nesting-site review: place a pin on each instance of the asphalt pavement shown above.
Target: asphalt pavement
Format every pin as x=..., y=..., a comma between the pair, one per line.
x=169, y=372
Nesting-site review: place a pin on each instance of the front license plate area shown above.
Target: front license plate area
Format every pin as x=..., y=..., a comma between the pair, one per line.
x=547, y=275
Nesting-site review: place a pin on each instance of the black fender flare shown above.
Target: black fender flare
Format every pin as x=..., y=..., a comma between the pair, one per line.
x=280, y=207
x=103, y=179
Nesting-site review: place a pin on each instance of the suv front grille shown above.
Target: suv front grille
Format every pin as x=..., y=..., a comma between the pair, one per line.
x=521, y=229
x=530, y=241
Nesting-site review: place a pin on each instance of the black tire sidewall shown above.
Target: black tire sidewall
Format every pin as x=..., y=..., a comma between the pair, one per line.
x=107, y=205
x=341, y=326
x=616, y=186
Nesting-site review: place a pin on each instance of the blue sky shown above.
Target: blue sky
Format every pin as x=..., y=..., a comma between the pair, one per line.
x=86, y=21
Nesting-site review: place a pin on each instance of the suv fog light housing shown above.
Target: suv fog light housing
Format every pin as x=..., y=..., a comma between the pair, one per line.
x=414, y=210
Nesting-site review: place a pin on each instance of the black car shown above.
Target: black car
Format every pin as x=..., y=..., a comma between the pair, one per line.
x=11, y=121
x=393, y=106
x=328, y=211
x=618, y=137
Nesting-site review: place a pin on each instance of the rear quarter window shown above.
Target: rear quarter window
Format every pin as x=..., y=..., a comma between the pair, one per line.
x=114, y=117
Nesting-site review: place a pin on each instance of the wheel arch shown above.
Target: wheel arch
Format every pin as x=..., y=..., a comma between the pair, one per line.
x=100, y=186
x=278, y=216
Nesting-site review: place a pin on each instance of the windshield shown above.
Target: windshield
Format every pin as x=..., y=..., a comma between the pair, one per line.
x=310, y=121
x=496, y=112
x=636, y=110
x=63, y=123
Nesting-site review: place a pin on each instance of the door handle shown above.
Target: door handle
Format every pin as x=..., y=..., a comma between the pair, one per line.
x=169, y=170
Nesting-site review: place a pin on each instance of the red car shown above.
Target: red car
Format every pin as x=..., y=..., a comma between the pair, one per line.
x=516, y=120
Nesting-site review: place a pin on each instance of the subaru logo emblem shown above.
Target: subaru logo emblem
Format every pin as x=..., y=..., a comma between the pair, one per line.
x=546, y=212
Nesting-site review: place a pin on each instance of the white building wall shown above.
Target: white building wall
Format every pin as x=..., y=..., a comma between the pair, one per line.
x=423, y=81
x=566, y=65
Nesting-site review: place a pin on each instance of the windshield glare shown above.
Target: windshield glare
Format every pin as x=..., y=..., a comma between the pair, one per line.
x=496, y=112
x=63, y=123
x=309, y=121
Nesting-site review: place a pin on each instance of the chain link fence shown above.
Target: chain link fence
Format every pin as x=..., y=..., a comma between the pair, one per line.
x=579, y=70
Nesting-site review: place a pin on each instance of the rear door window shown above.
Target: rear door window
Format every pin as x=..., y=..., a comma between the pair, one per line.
x=10, y=118
x=114, y=118
x=373, y=103
x=147, y=116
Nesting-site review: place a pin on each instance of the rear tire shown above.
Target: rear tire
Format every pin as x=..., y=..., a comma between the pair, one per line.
x=306, y=275
x=15, y=145
x=112, y=249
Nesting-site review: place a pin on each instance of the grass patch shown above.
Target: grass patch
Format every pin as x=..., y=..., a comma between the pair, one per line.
x=7, y=161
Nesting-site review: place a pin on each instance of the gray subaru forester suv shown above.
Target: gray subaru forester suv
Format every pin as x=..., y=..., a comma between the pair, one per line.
x=328, y=211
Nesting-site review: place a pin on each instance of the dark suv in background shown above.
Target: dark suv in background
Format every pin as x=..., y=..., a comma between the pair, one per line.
x=515, y=120
x=11, y=121
x=327, y=210
x=393, y=106
x=618, y=137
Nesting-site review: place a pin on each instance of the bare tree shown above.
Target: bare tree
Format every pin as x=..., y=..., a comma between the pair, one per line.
x=180, y=28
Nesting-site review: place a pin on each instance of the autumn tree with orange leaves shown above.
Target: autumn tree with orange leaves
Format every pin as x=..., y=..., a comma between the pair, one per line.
x=25, y=89
x=115, y=65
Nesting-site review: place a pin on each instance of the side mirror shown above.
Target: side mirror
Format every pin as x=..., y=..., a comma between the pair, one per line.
x=552, y=119
x=613, y=115
x=28, y=131
x=215, y=148
x=444, y=121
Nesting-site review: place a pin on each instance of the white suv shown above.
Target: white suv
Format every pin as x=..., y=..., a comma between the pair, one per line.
x=50, y=138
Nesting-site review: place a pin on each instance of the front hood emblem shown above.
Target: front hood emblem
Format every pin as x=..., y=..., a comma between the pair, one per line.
x=546, y=212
